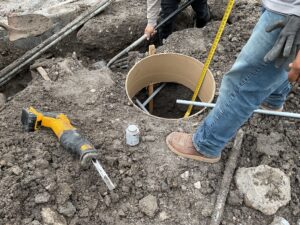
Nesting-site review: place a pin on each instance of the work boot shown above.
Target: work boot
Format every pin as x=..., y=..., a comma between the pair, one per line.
x=182, y=144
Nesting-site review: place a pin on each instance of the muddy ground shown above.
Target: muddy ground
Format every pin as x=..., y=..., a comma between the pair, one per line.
x=40, y=181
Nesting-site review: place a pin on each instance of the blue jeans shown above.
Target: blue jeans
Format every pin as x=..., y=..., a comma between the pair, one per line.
x=249, y=83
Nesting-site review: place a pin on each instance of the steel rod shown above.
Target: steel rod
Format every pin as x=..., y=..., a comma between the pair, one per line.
x=260, y=111
x=154, y=94
x=142, y=106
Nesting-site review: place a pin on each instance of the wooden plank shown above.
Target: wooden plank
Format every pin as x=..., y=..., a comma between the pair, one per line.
x=152, y=51
x=43, y=73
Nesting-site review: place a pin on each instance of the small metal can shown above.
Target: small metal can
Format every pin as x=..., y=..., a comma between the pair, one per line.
x=132, y=135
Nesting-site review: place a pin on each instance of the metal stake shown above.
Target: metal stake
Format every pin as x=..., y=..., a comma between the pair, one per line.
x=143, y=105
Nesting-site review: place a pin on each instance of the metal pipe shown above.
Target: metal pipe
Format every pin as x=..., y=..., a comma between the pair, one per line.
x=154, y=94
x=260, y=111
x=142, y=106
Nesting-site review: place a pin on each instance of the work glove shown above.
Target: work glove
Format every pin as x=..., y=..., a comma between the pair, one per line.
x=285, y=48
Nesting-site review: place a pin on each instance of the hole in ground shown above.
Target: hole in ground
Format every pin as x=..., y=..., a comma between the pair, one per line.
x=165, y=105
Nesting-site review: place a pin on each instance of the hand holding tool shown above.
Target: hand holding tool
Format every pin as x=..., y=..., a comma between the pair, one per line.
x=68, y=136
x=285, y=48
x=144, y=37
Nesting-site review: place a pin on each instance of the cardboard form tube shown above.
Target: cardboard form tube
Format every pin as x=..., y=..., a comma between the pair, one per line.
x=169, y=67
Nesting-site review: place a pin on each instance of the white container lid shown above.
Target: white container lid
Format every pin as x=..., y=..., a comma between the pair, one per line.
x=132, y=128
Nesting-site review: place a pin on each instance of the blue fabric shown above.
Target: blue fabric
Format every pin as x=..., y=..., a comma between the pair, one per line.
x=249, y=82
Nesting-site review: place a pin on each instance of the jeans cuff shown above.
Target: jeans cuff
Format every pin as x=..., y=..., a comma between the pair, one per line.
x=271, y=106
x=198, y=148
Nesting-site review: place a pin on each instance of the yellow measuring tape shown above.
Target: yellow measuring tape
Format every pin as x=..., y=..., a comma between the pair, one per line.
x=211, y=54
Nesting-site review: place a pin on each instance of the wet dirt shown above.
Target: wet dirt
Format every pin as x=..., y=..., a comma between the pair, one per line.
x=39, y=179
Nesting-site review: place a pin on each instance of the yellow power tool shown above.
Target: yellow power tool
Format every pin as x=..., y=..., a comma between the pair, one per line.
x=68, y=137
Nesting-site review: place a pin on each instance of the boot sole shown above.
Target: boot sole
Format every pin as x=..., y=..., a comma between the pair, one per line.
x=195, y=157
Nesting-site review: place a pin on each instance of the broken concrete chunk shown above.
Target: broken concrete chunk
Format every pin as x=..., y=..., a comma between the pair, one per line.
x=51, y=217
x=279, y=221
x=264, y=188
x=42, y=198
x=270, y=144
x=148, y=205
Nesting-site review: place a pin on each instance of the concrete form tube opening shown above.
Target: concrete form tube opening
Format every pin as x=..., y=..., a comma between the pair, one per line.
x=173, y=76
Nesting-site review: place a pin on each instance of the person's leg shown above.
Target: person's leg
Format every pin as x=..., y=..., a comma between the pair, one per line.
x=276, y=100
x=249, y=82
x=167, y=7
x=202, y=12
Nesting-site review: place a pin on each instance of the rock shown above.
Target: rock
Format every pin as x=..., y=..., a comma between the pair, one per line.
x=149, y=138
x=64, y=192
x=67, y=210
x=185, y=175
x=51, y=217
x=148, y=205
x=121, y=213
x=163, y=216
x=279, y=221
x=270, y=144
x=197, y=185
x=16, y=170
x=42, y=198
x=42, y=163
x=298, y=222
x=264, y=188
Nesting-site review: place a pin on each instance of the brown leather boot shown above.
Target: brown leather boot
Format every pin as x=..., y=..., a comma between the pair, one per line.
x=181, y=144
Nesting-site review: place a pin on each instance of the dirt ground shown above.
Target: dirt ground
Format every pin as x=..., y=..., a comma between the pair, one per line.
x=38, y=176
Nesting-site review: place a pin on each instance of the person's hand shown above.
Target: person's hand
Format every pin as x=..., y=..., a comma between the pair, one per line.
x=285, y=48
x=150, y=31
x=294, y=74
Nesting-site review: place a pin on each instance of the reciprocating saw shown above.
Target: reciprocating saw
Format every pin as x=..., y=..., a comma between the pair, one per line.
x=68, y=137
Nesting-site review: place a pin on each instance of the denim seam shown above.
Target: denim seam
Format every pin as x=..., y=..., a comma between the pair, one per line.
x=233, y=95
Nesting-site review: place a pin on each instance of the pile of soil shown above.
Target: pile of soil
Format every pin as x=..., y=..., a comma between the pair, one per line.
x=40, y=181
